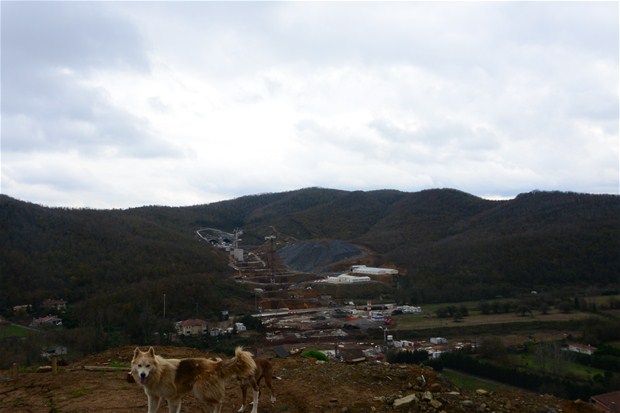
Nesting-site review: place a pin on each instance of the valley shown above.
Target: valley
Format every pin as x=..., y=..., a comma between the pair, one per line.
x=501, y=283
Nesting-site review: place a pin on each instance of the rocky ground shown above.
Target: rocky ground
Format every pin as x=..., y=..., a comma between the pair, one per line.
x=302, y=385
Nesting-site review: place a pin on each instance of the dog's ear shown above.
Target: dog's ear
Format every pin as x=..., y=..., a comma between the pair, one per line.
x=136, y=352
x=151, y=352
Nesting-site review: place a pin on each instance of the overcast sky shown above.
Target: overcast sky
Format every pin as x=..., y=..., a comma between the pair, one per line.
x=118, y=104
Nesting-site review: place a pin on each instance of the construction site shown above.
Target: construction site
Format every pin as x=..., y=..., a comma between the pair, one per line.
x=267, y=271
x=346, y=310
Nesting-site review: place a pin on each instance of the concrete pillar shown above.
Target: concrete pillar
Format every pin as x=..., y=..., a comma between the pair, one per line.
x=14, y=374
x=54, y=364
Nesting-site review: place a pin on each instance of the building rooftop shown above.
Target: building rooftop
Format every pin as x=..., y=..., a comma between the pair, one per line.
x=607, y=400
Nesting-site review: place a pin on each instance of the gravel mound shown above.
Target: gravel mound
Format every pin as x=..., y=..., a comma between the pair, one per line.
x=318, y=255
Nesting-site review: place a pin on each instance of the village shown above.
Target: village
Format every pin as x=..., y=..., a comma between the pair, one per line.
x=294, y=316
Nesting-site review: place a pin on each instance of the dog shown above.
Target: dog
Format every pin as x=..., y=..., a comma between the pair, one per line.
x=264, y=369
x=157, y=376
x=170, y=379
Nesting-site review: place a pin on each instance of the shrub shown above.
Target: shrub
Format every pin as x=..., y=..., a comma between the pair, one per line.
x=315, y=354
x=406, y=356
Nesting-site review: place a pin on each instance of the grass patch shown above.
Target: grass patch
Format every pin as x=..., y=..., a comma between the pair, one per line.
x=53, y=407
x=602, y=299
x=119, y=365
x=567, y=368
x=77, y=393
x=422, y=322
x=585, y=372
x=13, y=330
x=470, y=383
x=312, y=353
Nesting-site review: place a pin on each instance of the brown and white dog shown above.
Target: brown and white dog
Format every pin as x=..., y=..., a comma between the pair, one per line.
x=170, y=379
x=264, y=369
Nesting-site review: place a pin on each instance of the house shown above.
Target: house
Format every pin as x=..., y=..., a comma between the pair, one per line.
x=191, y=327
x=240, y=327
x=607, y=402
x=581, y=348
x=438, y=340
x=58, y=305
x=54, y=351
x=22, y=309
x=47, y=321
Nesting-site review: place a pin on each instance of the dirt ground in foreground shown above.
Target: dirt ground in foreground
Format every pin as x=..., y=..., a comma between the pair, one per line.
x=301, y=385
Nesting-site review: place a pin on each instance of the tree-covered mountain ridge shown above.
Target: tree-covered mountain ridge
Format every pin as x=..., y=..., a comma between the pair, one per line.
x=448, y=244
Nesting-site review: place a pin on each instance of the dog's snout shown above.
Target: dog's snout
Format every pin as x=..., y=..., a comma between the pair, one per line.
x=143, y=375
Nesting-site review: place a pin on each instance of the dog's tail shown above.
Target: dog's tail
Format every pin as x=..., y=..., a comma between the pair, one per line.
x=242, y=365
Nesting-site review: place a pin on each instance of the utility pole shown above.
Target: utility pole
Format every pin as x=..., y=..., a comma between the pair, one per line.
x=271, y=238
x=257, y=291
x=164, y=305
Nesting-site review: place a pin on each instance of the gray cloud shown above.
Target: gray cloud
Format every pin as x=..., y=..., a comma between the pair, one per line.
x=209, y=100
x=48, y=50
x=37, y=36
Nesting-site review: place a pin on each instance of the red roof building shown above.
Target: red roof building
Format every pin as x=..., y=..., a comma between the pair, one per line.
x=607, y=402
x=191, y=327
x=48, y=320
x=582, y=348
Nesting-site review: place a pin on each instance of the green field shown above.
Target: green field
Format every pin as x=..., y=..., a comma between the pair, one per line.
x=514, y=329
x=13, y=330
x=568, y=368
x=603, y=300
x=470, y=383
x=430, y=321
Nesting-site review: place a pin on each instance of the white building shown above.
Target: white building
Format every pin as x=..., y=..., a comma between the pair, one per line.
x=404, y=344
x=408, y=309
x=237, y=254
x=347, y=279
x=362, y=269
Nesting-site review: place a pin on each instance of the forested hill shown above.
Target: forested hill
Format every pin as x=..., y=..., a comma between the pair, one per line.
x=450, y=244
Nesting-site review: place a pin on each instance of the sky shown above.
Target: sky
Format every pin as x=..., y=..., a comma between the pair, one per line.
x=125, y=104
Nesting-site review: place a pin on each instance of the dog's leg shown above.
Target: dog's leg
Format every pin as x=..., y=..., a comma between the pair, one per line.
x=153, y=403
x=255, y=401
x=174, y=406
x=268, y=379
x=244, y=390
